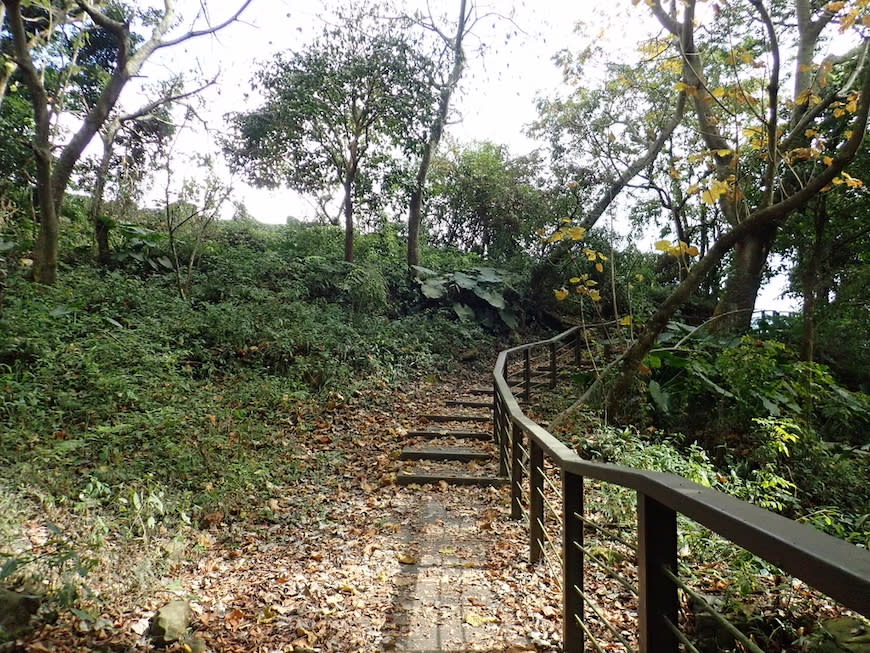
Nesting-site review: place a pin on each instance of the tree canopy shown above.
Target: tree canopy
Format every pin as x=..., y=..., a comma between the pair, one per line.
x=333, y=109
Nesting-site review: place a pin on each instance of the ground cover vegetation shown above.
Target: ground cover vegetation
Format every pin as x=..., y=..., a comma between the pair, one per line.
x=168, y=371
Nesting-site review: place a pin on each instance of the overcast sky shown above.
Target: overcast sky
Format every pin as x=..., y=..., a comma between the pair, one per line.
x=497, y=94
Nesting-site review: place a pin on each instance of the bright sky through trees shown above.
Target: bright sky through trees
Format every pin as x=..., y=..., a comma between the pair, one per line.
x=510, y=65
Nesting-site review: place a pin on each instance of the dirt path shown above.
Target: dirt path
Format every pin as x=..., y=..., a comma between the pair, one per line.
x=353, y=562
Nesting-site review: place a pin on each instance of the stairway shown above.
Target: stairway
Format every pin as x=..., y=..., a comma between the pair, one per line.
x=454, y=446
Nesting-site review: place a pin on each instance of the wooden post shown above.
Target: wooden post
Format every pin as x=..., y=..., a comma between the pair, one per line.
x=527, y=375
x=572, y=563
x=536, y=501
x=516, y=472
x=656, y=551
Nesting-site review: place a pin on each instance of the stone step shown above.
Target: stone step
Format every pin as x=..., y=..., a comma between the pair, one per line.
x=427, y=478
x=465, y=403
x=447, y=433
x=456, y=418
x=443, y=453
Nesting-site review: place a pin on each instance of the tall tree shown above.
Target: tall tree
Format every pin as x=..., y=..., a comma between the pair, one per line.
x=53, y=172
x=455, y=48
x=482, y=200
x=358, y=92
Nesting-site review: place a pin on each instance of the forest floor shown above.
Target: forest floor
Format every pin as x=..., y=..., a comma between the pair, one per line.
x=343, y=559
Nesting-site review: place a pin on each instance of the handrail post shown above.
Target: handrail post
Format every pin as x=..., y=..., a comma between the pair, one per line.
x=552, y=365
x=516, y=472
x=657, y=551
x=536, y=501
x=572, y=563
x=504, y=442
x=527, y=375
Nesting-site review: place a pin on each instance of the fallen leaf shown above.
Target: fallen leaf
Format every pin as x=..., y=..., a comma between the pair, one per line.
x=407, y=559
x=477, y=620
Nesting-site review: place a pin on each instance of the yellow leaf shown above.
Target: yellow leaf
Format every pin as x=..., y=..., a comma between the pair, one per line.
x=556, y=237
x=560, y=294
x=594, y=295
x=693, y=189
x=577, y=233
x=718, y=92
x=477, y=620
x=827, y=160
x=663, y=245
x=574, y=280
x=591, y=254
x=601, y=257
x=835, y=6
x=693, y=251
x=626, y=321
x=724, y=152
x=591, y=283
x=599, y=267
x=851, y=181
x=406, y=559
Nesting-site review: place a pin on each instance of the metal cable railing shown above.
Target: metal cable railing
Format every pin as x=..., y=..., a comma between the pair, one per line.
x=547, y=492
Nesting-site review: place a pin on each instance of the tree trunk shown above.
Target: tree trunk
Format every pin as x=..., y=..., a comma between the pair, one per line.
x=810, y=283
x=348, y=220
x=741, y=289
x=46, y=248
x=415, y=208
x=415, y=218
x=101, y=226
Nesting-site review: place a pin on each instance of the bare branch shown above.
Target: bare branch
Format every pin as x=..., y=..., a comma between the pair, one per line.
x=210, y=30
x=642, y=162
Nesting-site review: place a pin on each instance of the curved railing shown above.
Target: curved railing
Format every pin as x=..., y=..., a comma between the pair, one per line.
x=547, y=489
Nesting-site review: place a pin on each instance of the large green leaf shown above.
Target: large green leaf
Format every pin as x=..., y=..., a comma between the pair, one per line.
x=489, y=275
x=426, y=272
x=509, y=317
x=492, y=297
x=433, y=288
x=464, y=311
x=464, y=281
x=659, y=396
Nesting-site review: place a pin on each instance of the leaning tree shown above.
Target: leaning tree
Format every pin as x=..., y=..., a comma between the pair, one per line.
x=734, y=118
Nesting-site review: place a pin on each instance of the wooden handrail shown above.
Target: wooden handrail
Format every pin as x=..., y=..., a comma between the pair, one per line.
x=830, y=565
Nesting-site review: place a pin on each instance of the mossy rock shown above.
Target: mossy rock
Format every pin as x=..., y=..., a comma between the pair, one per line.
x=844, y=635
x=171, y=622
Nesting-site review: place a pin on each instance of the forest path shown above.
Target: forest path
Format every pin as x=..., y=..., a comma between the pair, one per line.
x=361, y=563
x=342, y=557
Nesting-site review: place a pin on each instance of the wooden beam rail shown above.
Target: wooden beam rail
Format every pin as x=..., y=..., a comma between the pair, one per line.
x=830, y=565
